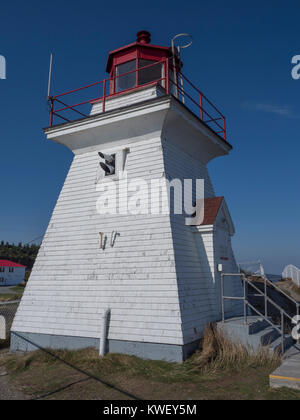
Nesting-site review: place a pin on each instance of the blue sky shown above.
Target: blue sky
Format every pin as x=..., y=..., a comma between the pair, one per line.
x=241, y=58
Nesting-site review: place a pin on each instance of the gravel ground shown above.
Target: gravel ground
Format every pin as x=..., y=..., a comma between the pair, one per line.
x=7, y=391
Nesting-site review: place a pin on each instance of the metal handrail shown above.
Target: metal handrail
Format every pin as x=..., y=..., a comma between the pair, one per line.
x=267, y=299
x=297, y=304
x=246, y=284
x=164, y=82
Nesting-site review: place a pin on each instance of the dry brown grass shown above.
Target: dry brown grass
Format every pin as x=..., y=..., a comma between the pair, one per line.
x=9, y=297
x=289, y=287
x=294, y=287
x=220, y=354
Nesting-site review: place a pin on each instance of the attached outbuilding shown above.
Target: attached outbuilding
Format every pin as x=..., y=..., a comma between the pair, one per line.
x=11, y=273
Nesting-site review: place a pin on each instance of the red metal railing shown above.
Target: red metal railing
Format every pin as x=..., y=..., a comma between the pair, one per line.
x=184, y=90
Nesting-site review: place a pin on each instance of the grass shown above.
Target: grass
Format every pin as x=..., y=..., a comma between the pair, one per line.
x=220, y=354
x=19, y=288
x=289, y=287
x=219, y=370
x=17, y=293
x=8, y=297
x=295, y=288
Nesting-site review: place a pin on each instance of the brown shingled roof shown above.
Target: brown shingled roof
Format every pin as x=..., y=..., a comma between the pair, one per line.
x=211, y=209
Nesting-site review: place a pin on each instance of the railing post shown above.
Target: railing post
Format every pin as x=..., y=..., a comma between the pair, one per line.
x=201, y=107
x=282, y=332
x=167, y=75
x=266, y=297
x=51, y=112
x=245, y=300
x=222, y=292
x=297, y=309
x=224, y=127
x=104, y=94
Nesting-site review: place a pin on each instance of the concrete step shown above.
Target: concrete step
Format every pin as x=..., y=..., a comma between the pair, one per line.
x=265, y=337
x=288, y=374
x=255, y=334
x=254, y=324
x=276, y=344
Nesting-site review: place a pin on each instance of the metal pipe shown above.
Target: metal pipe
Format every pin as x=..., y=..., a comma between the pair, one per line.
x=222, y=291
x=104, y=94
x=76, y=90
x=167, y=76
x=279, y=328
x=69, y=107
x=50, y=76
x=104, y=331
x=182, y=90
x=174, y=68
x=224, y=127
x=245, y=300
x=282, y=332
x=266, y=297
x=174, y=60
x=266, y=319
x=51, y=112
x=201, y=107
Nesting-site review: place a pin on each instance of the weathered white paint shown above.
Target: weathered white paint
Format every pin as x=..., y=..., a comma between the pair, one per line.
x=125, y=99
x=158, y=279
x=12, y=278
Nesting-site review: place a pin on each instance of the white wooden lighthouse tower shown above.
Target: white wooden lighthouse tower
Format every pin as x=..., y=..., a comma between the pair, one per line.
x=157, y=275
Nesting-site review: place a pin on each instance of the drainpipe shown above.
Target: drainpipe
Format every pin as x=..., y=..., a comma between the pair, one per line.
x=104, y=330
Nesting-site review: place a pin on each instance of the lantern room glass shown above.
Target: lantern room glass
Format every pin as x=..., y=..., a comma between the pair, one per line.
x=151, y=72
x=129, y=79
x=136, y=73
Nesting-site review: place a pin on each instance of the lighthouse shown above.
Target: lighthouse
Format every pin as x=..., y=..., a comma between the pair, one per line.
x=122, y=266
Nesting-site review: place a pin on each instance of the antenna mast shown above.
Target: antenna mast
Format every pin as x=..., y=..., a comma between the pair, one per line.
x=50, y=76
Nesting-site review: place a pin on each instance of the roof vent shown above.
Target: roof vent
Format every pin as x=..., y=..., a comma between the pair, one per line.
x=143, y=37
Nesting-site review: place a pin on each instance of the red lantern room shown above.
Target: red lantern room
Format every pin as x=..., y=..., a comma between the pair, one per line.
x=139, y=66
x=135, y=64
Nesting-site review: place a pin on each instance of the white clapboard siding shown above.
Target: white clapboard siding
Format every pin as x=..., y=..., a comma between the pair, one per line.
x=74, y=278
x=193, y=273
x=159, y=279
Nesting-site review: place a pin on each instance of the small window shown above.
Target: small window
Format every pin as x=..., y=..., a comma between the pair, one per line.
x=127, y=81
x=11, y=269
x=2, y=269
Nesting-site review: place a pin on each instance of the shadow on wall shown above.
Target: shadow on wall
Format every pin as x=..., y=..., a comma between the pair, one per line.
x=196, y=281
